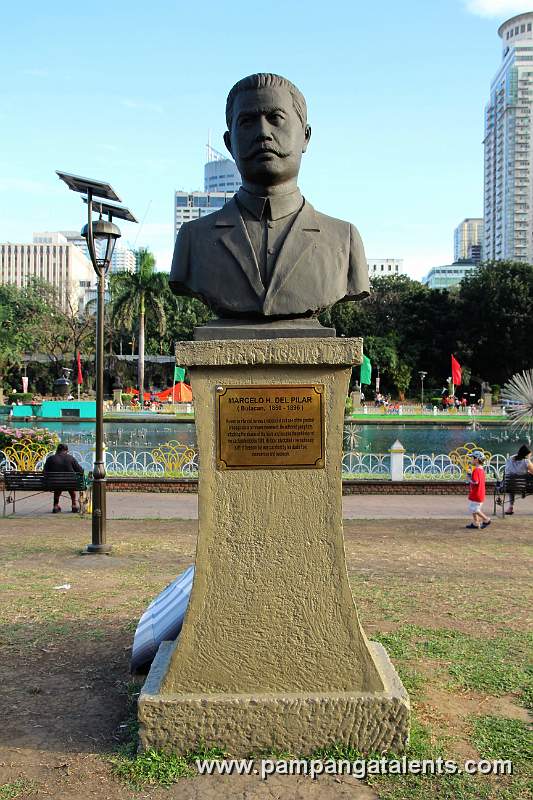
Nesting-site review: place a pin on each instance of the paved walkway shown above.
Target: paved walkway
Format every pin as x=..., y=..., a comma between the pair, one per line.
x=151, y=505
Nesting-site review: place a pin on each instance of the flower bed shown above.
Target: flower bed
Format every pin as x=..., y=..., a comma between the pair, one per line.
x=33, y=438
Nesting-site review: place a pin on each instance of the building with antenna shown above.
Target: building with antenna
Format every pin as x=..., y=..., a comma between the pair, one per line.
x=221, y=181
x=220, y=173
x=508, y=195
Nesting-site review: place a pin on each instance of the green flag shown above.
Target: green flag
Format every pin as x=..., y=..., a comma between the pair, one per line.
x=366, y=371
x=179, y=374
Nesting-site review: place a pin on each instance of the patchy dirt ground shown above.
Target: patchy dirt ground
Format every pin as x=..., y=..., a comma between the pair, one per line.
x=64, y=653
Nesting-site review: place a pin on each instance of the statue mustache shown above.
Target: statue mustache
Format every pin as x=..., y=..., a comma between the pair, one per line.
x=258, y=150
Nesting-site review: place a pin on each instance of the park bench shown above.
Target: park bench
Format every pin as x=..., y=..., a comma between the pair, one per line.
x=519, y=485
x=31, y=481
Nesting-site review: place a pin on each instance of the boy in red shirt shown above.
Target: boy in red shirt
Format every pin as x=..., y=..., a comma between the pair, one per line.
x=476, y=493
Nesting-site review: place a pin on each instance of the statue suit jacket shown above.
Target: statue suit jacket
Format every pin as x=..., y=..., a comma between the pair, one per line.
x=320, y=262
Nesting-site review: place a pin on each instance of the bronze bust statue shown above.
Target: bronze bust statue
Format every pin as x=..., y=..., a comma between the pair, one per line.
x=267, y=253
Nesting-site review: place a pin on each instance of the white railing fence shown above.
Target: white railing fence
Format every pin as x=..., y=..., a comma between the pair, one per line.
x=173, y=459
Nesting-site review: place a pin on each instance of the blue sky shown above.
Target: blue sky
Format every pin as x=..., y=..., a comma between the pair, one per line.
x=127, y=92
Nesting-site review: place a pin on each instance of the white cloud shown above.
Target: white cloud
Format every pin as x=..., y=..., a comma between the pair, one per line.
x=497, y=8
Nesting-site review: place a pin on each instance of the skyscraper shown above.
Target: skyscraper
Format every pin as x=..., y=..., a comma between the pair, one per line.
x=508, y=197
x=220, y=173
x=468, y=239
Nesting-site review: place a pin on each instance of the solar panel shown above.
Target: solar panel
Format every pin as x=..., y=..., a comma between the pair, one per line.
x=118, y=212
x=83, y=185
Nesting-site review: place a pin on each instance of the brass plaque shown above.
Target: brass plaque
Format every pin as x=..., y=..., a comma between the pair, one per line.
x=270, y=427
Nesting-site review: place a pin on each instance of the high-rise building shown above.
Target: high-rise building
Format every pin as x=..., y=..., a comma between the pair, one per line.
x=123, y=259
x=220, y=173
x=52, y=259
x=508, y=201
x=385, y=267
x=467, y=240
x=192, y=205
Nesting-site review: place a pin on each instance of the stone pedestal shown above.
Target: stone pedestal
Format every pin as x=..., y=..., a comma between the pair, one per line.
x=271, y=656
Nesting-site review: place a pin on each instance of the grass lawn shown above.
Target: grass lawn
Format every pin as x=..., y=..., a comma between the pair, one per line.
x=450, y=605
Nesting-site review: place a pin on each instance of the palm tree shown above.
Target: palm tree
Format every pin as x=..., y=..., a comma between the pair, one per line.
x=133, y=295
x=519, y=390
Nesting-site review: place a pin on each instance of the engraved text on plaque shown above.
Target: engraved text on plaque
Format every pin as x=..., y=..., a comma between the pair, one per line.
x=280, y=427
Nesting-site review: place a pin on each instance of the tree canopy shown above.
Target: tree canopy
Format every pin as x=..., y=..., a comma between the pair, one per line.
x=486, y=322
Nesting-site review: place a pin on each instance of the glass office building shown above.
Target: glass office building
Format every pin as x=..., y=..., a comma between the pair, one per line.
x=467, y=240
x=448, y=275
x=508, y=184
x=221, y=175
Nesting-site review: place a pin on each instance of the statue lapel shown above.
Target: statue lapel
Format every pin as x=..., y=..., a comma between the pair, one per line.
x=301, y=237
x=232, y=232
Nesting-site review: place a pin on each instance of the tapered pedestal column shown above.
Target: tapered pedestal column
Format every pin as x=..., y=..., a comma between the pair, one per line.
x=271, y=655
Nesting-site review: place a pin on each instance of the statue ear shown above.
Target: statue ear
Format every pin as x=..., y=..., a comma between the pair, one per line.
x=307, y=136
x=227, y=141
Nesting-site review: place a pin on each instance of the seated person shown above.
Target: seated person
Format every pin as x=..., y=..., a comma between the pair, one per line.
x=519, y=464
x=62, y=461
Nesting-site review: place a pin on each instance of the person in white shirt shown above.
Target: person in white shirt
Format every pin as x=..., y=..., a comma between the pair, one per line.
x=519, y=464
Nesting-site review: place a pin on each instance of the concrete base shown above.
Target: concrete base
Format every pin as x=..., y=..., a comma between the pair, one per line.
x=272, y=654
x=298, y=722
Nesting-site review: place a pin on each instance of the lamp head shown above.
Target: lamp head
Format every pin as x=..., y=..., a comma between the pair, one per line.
x=106, y=234
x=102, y=229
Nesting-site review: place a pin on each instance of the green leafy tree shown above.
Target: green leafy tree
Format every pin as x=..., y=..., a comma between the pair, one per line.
x=401, y=375
x=402, y=320
x=182, y=315
x=495, y=320
x=62, y=329
x=23, y=312
x=136, y=296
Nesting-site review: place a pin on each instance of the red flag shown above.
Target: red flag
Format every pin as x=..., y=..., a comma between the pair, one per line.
x=80, y=376
x=456, y=372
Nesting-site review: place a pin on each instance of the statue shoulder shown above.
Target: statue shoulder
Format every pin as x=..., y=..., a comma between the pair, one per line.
x=338, y=228
x=199, y=226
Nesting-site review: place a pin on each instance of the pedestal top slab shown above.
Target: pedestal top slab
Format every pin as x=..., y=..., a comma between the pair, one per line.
x=309, y=351
x=260, y=329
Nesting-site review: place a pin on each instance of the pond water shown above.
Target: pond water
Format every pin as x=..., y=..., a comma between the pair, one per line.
x=420, y=439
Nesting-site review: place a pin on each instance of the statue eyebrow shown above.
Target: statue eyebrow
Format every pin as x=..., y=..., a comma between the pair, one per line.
x=261, y=110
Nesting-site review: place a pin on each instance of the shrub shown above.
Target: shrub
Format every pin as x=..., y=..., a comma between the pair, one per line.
x=126, y=399
x=24, y=397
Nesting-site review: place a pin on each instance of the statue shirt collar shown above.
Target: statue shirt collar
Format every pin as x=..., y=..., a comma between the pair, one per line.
x=281, y=205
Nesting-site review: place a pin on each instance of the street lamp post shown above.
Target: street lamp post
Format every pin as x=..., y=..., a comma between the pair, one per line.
x=422, y=376
x=101, y=236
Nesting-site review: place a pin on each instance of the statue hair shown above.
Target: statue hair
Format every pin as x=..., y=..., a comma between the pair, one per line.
x=262, y=80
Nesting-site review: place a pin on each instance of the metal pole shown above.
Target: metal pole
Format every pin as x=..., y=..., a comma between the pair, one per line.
x=422, y=392
x=98, y=544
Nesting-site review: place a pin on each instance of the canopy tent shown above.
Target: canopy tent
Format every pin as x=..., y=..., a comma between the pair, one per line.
x=180, y=393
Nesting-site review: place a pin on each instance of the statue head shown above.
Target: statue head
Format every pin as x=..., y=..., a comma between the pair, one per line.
x=267, y=131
